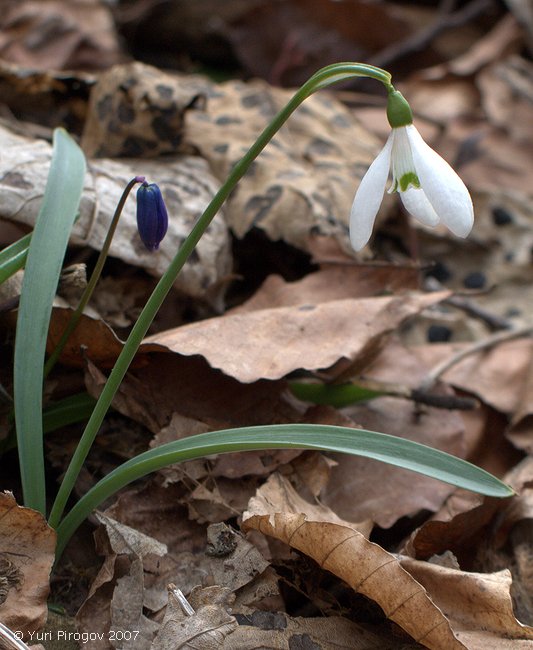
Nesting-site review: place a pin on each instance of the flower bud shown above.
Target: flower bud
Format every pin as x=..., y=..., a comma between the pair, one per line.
x=152, y=217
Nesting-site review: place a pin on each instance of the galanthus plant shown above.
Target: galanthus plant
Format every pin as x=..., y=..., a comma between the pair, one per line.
x=429, y=188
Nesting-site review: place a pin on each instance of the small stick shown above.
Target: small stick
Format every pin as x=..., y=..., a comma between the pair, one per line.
x=434, y=374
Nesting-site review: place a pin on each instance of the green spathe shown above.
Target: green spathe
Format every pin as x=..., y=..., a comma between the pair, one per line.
x=398, y=110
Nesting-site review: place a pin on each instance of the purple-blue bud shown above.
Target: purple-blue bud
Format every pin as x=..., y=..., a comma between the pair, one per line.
x=152, y=217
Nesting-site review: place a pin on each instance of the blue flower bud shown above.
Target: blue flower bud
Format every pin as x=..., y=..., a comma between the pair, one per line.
x=152, y=217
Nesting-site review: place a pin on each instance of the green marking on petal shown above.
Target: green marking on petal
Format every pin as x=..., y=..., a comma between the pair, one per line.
x=407, y=180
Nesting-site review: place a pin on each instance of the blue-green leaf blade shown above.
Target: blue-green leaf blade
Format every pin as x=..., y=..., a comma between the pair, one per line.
x=390, y=449
x=43, y=266
x=13, y=257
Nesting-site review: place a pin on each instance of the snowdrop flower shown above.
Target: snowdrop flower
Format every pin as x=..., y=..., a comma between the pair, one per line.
x=429, y=188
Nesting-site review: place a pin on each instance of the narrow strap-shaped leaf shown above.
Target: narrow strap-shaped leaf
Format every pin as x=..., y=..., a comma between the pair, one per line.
x=43, y=266
x=13, y=257
x=380, y=446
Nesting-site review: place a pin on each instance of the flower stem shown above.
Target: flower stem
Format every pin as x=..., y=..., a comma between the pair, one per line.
x=95, y=276
x=324, y=77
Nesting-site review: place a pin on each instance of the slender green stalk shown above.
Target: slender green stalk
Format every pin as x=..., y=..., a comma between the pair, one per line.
x=43, y=266
x=95, y=276
x=324, y=77
x=370, y=444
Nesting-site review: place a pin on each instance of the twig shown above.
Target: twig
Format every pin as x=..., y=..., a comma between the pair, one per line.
x=419, y=395
x=434, y=374
x=493, y=321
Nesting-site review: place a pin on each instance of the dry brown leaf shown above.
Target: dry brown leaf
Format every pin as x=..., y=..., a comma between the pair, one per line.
x=271, y=343
x=206, y=629
x=138, y=110
x=116, y=598
x=308, y=173
x=478, y=605
x=27, y=553
x=365, y=566
x=283, y=632
x=157, y=512
x=333, y=283
x=286, y=42
x=234, y=561
x=58, y=35
x=278, y=495
x=458, y=527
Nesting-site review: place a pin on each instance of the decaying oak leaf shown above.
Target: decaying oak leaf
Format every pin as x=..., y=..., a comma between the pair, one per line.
x=278, y=495
x=58, y=35
x=205, y=627
x=458, y=526
x=116, y=598
x=478, y=605
x=271, y=343
x=92, y=339
x=304, y=181
x=365, y=566
x=27, y=553
x=138, y=110
x=279, y=630
x=332, y=283
x=187, y=187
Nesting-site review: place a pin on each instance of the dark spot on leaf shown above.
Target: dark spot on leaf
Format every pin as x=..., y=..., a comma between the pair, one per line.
x=221, y=148
x=263, y=620
x=249, y=101
x=128, y=83
x=475, y=280
x=134, y=146
x=165, y=92
x=194, y=258
x=227, y=119
x=125, y=113
x=501, y=217
x=303, y=642
x=342, y=121
x=104, y=107
x=440, y=272
x=261, y=205
x=166, y=127
x=14, y=179
x=438, y=334
x=322, y=147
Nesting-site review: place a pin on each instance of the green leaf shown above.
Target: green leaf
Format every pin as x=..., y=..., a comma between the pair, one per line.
x=43, y=266
x=337, y=395
x=72, y=409
x=380, y=446
x=13, y=257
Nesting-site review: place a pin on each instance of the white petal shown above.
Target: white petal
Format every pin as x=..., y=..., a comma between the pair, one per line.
x=369, y=196
x=442, y=186
x=417, y=204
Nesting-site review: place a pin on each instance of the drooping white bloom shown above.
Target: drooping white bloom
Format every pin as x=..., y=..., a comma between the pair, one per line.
x=429, y=188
